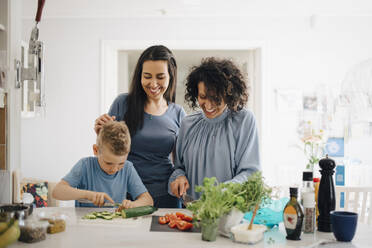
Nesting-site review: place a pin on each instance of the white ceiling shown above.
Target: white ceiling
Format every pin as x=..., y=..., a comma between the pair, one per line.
x=196, y=8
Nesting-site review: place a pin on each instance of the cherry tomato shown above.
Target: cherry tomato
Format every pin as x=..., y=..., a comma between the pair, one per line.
x=184, y=225
x=163, y=220
x=172, y=224
x=172, y=217
x=187, y=218
x=180, y=215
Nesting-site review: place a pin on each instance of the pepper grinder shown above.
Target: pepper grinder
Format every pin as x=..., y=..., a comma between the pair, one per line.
x=326, y=194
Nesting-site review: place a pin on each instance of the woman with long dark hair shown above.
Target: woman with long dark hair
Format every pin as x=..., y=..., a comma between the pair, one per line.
x=153, y=120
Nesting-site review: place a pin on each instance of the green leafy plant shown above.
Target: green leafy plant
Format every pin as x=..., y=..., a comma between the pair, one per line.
x=212, y=203
x=249, y=195
x=218, y=199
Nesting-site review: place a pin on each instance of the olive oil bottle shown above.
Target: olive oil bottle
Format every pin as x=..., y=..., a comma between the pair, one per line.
x=293, y=216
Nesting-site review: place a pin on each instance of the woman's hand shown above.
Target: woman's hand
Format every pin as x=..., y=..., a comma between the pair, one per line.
x=179, y=186
x=98, y=198
x=100, y=121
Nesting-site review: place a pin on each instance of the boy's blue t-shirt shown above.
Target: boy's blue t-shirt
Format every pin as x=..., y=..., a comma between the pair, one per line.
x=88, y=175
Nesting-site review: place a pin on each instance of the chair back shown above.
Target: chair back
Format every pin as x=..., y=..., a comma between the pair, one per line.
x=355, y=199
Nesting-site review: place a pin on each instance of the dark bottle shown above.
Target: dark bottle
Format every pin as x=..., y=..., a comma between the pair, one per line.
x=326, y=194
x=293, y=216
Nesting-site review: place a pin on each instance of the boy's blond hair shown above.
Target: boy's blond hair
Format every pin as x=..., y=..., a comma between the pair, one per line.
x=115, y=136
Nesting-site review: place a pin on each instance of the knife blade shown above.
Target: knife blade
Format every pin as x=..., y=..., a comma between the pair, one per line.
x=186, y=198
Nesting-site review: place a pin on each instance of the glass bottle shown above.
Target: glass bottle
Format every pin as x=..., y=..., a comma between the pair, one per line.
x=307, y=184
x=309, y=212
x=293, y=216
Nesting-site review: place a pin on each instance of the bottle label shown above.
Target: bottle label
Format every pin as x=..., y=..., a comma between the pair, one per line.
x=290, y=217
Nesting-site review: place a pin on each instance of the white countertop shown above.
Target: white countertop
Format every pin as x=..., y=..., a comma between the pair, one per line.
x=136, y=233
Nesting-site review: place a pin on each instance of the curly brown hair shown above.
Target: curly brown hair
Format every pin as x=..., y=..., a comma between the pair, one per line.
x=222, y=79
x=115, y=136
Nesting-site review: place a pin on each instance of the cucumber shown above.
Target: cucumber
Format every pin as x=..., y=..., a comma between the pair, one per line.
x=106, y=217
x=139, y=211
x=90, y=216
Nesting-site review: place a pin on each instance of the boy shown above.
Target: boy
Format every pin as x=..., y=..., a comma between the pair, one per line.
x=106, y=177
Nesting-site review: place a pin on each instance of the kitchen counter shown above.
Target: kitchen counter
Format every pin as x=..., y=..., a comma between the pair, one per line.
x=136, y=233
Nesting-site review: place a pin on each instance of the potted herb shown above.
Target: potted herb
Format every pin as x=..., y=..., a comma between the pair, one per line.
x=210, y=207
x=236, y=201
x=254, y=192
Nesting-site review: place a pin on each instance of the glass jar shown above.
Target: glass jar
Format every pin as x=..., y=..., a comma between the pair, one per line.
x=32, y=230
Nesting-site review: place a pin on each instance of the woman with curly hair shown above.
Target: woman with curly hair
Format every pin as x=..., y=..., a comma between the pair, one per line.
x=221, y=140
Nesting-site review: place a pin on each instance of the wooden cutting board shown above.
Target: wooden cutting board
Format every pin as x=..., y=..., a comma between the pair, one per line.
x=156, y=227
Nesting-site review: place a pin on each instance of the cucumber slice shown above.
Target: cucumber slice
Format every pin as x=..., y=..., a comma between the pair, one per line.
x=89, y=217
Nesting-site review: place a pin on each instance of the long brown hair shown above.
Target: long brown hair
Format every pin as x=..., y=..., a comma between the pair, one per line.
x=137, y=96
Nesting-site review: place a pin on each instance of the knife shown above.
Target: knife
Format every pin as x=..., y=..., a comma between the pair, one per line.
x=187, y=199
x=106, y=204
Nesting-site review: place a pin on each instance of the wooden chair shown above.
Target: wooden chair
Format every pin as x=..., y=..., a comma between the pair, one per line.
x=356, y=199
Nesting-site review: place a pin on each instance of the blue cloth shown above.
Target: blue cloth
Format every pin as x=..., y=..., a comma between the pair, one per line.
x=152, y=145
x=270, y=213
x=225, y=147
x=88, y=175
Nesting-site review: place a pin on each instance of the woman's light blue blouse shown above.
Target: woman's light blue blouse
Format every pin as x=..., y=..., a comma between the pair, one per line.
x=225, y=147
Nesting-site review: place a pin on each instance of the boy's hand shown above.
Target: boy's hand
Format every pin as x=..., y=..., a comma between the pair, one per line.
x=100, y=121
x=98, y=198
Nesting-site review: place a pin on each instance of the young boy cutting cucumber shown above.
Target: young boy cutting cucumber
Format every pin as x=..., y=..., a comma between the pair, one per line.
x=108, y=176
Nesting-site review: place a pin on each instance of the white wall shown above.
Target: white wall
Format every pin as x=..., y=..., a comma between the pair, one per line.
x=299, y=55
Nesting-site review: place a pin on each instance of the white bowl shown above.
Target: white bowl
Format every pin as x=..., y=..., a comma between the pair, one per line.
x=227, y=221
x=241, y=234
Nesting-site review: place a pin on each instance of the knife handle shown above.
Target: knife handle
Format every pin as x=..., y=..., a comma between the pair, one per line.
x=40, y=6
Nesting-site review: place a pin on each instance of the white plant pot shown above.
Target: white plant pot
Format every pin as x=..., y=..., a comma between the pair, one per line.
x=227, y=221
x=241, y=234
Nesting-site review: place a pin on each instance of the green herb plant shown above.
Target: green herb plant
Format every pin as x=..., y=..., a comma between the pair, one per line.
x=213, y=202
x=249, y=195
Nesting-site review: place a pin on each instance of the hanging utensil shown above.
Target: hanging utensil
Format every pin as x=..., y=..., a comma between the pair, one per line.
x=35, y=70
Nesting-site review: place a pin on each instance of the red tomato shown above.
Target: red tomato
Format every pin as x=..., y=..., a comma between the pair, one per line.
x=184, y=225
x=163, y=220
x=187, y=218
x=172, y=224
x=172, y=217
x=180, y=215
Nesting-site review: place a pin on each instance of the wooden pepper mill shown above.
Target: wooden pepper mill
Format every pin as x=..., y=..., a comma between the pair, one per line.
x=326, y=194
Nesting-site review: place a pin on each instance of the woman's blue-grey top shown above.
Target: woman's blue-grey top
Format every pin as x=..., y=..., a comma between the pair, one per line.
x=225, y=147
x=152, y=145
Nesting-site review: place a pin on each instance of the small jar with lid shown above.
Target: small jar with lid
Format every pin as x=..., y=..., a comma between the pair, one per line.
x=57, y=222
x=32, y=230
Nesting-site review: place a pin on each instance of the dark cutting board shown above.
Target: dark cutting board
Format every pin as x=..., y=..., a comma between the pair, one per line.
x=156, y=227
